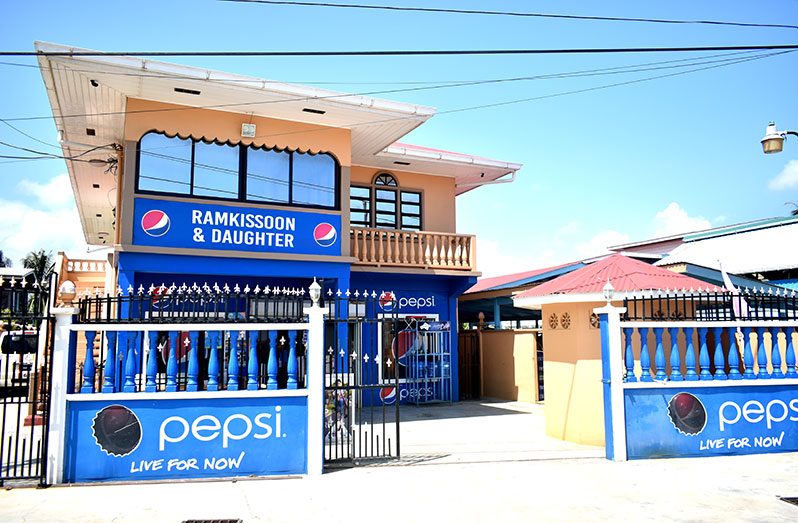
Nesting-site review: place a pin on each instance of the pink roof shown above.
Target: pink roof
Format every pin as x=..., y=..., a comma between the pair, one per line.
x=625, y=274
x=495, y=281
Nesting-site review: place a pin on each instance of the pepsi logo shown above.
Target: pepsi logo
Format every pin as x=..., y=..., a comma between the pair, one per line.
x=387, y=301
x=388, y=395
x=155, y=223
x=402, y=345
x=325, y=234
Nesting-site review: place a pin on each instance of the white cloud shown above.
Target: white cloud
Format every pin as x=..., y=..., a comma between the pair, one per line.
x=55, y=194
x=597, y=245
x=675, y=220
x=493, y=260
x=787, y=178
x=52, y=225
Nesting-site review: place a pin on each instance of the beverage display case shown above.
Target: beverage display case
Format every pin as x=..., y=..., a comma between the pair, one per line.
x=429, y=376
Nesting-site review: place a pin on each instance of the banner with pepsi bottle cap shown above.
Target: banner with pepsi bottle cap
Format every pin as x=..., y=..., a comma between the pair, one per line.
x=186, y=224
x=705, y=421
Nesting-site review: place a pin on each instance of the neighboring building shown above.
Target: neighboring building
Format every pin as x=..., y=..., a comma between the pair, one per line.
x=219, y=178
x=572, y=356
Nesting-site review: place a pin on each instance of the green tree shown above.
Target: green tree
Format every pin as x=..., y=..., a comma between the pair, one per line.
x=4, y=261
x=42, y=264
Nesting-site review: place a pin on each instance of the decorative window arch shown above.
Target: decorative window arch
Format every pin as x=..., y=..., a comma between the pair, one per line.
x=384, y=204
x=200, y=168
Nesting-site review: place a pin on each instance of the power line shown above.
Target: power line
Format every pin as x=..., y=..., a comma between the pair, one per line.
x=530, y=99
x=425, y=52
x=572, y=74
x=510, y=13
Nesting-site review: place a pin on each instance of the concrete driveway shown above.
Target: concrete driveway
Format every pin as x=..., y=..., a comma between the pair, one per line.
x=469, y=462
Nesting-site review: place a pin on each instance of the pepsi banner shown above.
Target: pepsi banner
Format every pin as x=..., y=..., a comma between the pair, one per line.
x=413, y=303
x=185, y=438
x=184, y=224
x=704, y=421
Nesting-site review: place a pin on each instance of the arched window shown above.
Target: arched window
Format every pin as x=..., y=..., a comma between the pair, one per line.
x=191, y=167
x=385, y=205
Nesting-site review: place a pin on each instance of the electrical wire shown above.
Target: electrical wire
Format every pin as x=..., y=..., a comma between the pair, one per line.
x=408, y=52
x=510, y=13
x=698, y=60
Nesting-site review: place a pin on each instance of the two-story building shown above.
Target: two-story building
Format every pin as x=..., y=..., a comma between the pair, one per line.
x=198, y=177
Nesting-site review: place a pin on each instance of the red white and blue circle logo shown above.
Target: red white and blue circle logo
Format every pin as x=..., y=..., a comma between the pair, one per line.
x=387, y=301
x=325, y=234
x=402, y=346
x=388, y=395
x=155, y=223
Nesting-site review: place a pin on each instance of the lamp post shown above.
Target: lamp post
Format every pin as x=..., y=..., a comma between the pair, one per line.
x=773, y=142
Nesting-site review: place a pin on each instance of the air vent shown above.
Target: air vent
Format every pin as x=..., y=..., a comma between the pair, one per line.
x=95, y=186
x=313, y=111
x=187, y=91
x=98, y=215
x=90, y=132
x=401, y=163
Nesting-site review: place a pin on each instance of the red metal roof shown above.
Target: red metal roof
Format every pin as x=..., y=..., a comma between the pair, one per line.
x=625, y=274
x=484, y=284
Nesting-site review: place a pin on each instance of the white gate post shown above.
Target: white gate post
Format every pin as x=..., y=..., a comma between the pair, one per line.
x=56, y=439
x=315, y=383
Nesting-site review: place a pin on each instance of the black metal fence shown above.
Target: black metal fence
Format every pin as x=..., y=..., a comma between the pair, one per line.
x=713, y=306
x=195, y=305
x=25, y=369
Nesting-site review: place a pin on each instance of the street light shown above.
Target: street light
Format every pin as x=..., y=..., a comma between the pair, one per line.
x=773, y=142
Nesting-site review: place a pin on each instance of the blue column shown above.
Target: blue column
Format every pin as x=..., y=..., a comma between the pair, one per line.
x=790, y=353
x=232, y=364
x=87, y=387
x=271, y=370
x=171, y=362
x=748, y=355
x=718, y=359
x=122, y=338
x=252, y=361
x=734, y=356
x=193, y=362
x=130, y=364
x=676, y=362
x=761, y=355
x=775, y=353
x=659, y=354
x=213, y=360
x=606, y=376
x=645, y=357
x=689, y=355
x=703, y=354
x=152, y=364
x=497, y=316
x=629, y=358
x=110, y=363
x=292, y=384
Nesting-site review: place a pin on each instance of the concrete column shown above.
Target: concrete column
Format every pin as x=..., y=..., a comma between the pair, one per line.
x=612, y=360
x=497, y=320
x=315, y=385
x=60, y=380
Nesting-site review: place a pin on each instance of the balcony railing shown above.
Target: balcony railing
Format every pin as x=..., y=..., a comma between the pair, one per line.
x=428, y=250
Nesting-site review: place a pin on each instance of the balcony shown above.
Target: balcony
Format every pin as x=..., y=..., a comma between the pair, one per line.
x=425, y=250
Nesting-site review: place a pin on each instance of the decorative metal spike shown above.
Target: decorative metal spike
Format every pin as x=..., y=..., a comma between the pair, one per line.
x=2, y=281
x=247, y=289
x=119, y=290
x=388, y=362
x=347, y=293
x=366, y=358
x=23, y=282
x=13, y=281
x=373, y=294
x=357, y=294
x=237, y=289
x=216, y=288
x=329, y=292
x=354, y=355
x=302, y=291
x=338, y=293
x=151, y=288
x=256, y=290
x=226, y=289
x=342, y=353
x=140, y=290
x=330, y=351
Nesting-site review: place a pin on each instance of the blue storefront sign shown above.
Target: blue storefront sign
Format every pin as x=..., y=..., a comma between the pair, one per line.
x=696, y=421
x=185, y=224
x=185, y=438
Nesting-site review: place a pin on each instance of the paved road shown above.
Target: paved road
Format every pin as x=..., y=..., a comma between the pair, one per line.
x=470, y=462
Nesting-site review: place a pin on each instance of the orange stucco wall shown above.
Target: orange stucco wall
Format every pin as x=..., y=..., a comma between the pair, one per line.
x=226, y=126
x=437, y=193
x=509, y=368
x=572, y=370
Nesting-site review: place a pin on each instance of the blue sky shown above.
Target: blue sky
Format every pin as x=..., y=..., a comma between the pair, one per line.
x=601, y=167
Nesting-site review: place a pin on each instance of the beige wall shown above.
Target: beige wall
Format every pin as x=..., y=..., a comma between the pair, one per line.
x=437, y=195
x=144, y=115
x=572, y=374
x=509, y=367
